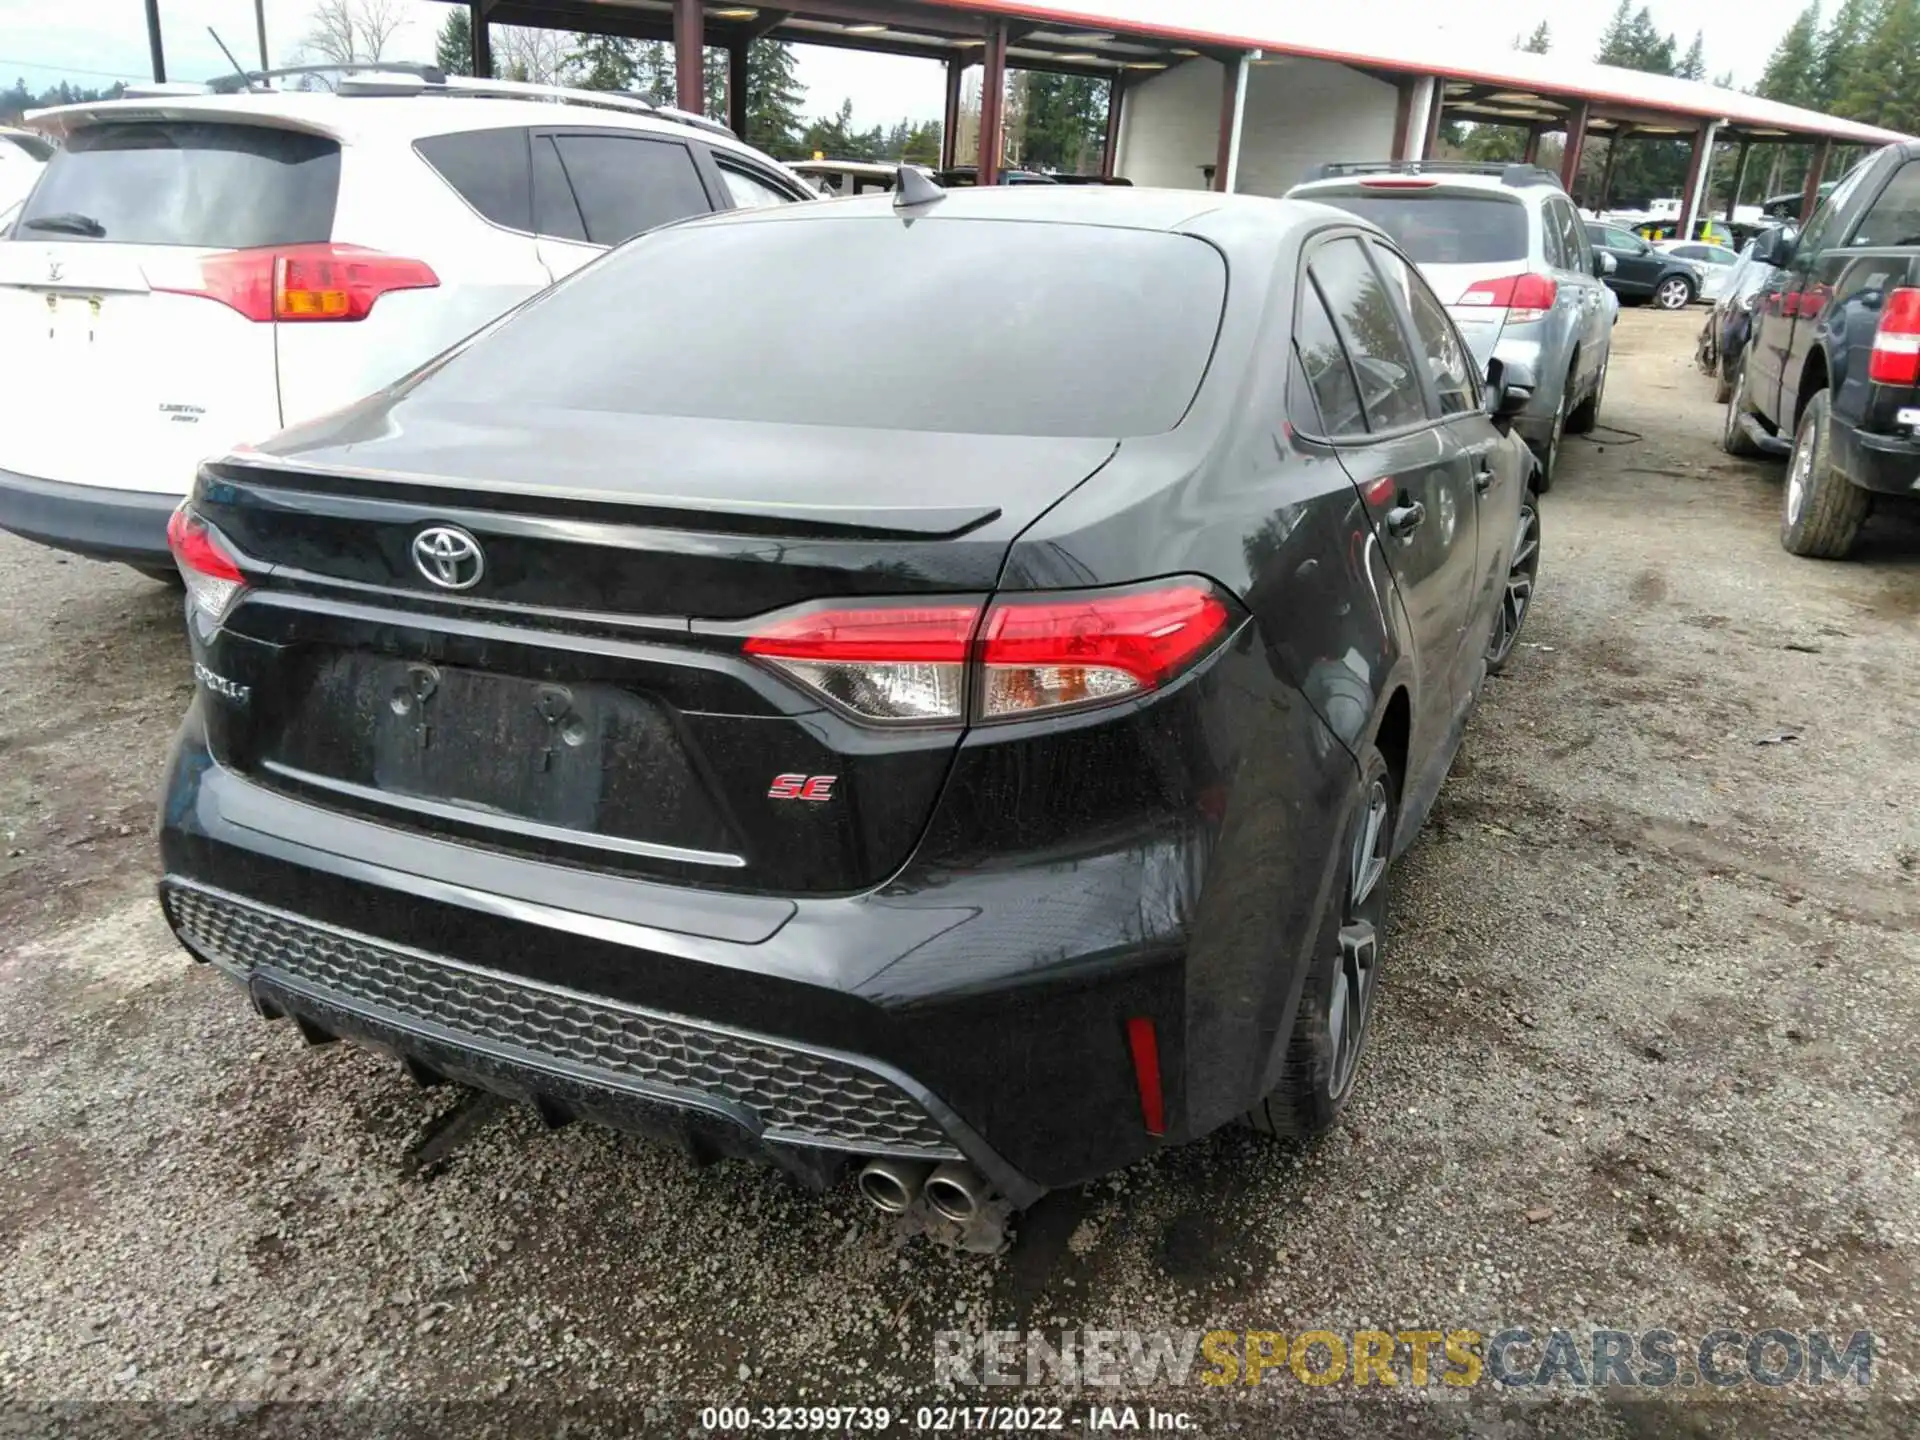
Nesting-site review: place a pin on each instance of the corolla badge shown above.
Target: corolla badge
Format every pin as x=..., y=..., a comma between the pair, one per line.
x=449, y=557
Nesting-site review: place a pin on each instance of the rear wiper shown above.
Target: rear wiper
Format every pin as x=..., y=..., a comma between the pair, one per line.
x=68, y=223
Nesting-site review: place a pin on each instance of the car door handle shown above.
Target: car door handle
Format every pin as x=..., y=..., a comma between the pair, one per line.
x=1403, y=520
x=1483, y=479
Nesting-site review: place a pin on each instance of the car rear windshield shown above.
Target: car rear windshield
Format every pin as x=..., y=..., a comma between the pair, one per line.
x=176, y=182
x=1439, y=228
x=968, y=326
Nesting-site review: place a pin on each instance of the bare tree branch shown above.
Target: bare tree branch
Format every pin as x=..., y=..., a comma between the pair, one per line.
x=521, y=53
x=345, y=32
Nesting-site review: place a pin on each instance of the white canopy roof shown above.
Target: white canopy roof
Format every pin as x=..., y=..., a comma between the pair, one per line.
x=1337, y=33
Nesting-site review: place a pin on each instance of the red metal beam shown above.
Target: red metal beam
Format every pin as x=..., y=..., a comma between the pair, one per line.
x=1531, y=154
x=1116, y=101
x=950, y=131
x=1810, y=196
x=690, y=56
x=1576, y=144
x=993, y=90
x=1229, y=102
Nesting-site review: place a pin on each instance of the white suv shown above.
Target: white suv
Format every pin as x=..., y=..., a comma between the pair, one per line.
x=196, y=270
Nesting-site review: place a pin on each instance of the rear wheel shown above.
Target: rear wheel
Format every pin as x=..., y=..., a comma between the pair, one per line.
x=1733, y=435
x=1522, y=571
x=1548, y=453
x=1336, y=1005
x=1674, y=293
x=1824, y=510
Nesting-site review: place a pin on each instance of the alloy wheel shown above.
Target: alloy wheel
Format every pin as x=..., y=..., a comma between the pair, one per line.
x=1673, y=295
x=1522, y=571
x=1350, y=1005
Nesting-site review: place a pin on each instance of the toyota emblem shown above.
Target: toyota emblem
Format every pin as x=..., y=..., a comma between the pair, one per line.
x=449, y=557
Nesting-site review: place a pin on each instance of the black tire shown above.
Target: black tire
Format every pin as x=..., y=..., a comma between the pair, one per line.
x=1675, y=292
x=1824, y=510
x=1722, y=385
x=1310, y=1096
x=1586, y=414
x=1548, y=454
x=1733, y=435
x=1523, y=573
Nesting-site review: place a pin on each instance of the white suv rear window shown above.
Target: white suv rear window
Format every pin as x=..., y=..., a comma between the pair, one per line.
x=175, y=182
x=1439, y=227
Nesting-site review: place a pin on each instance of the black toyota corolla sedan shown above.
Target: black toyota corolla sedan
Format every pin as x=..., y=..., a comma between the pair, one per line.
x=930, y=685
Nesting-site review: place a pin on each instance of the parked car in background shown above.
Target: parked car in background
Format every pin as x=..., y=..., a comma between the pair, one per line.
x=1723, y=338
x=23, y=155
x=194, y=270
x=1642, y=272
x=840, y=178
x=1504, y=249
x=1831, y=370
x=1713, y=262
x=1789, y=206
x=655, y=741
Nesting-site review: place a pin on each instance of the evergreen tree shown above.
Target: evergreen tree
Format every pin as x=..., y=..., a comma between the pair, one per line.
x=1694, y=65
x=453, y=50
x=1616, y=41
x=1882, y=86
x=1538, y=43
x=653, y=71
x=1839, y=50
x=1063, y=120
x=603, y=62
x=1792, y=70
x=713, y=84
x=774, y=93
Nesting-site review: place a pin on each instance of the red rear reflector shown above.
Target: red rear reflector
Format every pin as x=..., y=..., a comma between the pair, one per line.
x=1525, y=297
x=1146, y=1073
x=305, y=282
x=1896, y=344
x=212, y=578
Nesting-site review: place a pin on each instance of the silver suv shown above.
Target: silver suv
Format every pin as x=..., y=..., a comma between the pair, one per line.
x=1506, y=252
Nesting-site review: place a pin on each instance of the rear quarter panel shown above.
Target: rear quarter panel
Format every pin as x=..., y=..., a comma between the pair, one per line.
x=1848, y=291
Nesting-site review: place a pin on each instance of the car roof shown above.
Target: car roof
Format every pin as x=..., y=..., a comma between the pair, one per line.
x=372, y=118
x=1123, y=207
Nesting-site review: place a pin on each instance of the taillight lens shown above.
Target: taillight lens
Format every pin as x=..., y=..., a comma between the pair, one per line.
x=1042, y=652
x=304, y=282
x=1027, y=654
x=1524, y=297
x=1896, y=344
x=213, y=580
x=899, y=663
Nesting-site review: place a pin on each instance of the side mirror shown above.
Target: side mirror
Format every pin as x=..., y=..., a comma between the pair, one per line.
x=1510, y=385
x=1775, y=246
x=1603, y=264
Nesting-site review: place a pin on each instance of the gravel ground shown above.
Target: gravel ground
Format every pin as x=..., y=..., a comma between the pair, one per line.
x=1646, y=1055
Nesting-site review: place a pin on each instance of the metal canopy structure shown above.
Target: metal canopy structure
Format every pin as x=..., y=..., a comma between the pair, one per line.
x=1132, y=41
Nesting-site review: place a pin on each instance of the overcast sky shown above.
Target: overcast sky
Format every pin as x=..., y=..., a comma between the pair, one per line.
x=97, y=41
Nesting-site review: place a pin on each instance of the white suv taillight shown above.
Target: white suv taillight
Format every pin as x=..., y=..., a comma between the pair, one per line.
x=1018, y=655
x=1896, y=343
x=305, y=282
x=212, y=578
x=1524, y=297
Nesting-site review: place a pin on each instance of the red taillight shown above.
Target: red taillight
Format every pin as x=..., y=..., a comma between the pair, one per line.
x=305, y=282
x=1896, y=344
x=1041, y=652
x=1524, y=297
x=917, y=661
x=1145, y=1046
x=1399, y=184
x=212, y=578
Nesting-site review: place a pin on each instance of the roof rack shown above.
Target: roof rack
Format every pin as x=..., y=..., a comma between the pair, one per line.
x=1508, y=174
x=405, y=77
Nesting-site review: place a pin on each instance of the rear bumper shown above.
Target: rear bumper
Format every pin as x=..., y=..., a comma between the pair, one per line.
x=90, y=520
x=978, y=1011
x=1884, y=464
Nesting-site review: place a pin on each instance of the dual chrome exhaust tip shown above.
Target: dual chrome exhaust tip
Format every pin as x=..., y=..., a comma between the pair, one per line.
x=954, y=1190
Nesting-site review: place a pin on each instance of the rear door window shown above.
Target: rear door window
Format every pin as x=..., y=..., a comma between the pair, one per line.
x=555, y=211
x=1894, y=218
x=747, y=191
x=1324, y=358
x=180, y=182
x=489, y=169
x=1447, y=359
x=1573, y=235
x=627, y=184
x=1369, y=322
x=1440, y=228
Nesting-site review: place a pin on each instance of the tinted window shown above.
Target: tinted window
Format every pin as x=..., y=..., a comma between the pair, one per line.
x=1364, y=311
x=750, y=192
x=1447, y=359
x=489, y=169
x=1441, y=229
x=187, y=183
x=1331, y=381
x=1553, y=243
x=626, y=184
x=1573, y=237
x=1894, y=218
x=1070, y=330
x=554, y=209
x=1819, y=231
